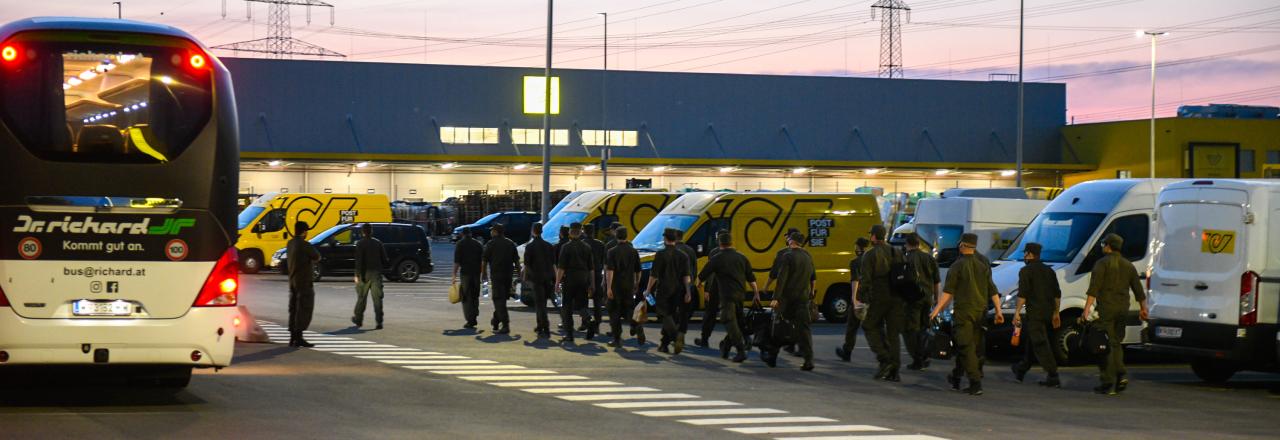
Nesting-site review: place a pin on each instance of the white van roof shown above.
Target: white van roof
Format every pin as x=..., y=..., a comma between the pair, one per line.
x=975, y=209
x=1240, y=184
x=1103, y=196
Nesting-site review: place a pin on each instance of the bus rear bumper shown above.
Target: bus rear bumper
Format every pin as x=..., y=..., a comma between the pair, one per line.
x=208, y=331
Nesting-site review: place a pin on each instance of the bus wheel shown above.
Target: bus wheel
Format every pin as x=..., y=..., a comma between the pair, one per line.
x=837, y=304
x=250, y=261
x=407, y=271
x=1212, y=371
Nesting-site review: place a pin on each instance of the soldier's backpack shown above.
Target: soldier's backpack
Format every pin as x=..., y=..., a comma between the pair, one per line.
x=903, y=278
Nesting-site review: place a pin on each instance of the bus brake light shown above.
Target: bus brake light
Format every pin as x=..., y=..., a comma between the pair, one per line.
x=222, y=287
x=197, y=61
x=9, y=53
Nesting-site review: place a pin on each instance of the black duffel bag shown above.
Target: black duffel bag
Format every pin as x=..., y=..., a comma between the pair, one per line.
x=939, y=341
x=1095, y=340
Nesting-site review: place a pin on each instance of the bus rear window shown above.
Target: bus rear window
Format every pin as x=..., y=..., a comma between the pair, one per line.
x=123, y=104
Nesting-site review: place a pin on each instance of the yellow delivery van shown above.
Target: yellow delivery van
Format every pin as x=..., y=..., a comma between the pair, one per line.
x=759, y=222
x=633, y=209
x=267, y=224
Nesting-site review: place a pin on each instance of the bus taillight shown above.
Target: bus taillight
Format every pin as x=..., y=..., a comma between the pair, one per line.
x=222, y=287
x=197, y=61
x=9, y=53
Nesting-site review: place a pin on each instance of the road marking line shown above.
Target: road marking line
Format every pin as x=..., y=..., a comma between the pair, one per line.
x=446, y=362
x=666, y=404
x=589, y=383
x=399, y=356
x=515, y=378
x=801, y=429
x=467, y=367
x=709, y=412
x=569, y=390
x=342, y=342
x=868, y=437
x=401, y=353
x=362, y=347
x=754, y=420
x=469, y=372
x=597, y=397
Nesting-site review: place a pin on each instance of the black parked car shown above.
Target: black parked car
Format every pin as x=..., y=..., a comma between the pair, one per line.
x=517, y=225
x=407, y=246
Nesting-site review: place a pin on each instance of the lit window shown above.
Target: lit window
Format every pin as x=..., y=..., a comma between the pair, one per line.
x=617, y=138
x=533, y=136
x=535, y=95
x=468, y=135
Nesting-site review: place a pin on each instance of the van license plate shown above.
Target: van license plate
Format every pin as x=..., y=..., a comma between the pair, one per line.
x=1169, y=332
x=86, y=307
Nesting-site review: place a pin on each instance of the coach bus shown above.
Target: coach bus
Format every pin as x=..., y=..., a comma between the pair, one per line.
x=117, y=195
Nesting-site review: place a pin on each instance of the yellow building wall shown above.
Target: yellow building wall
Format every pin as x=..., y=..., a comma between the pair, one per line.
x=1124, y=145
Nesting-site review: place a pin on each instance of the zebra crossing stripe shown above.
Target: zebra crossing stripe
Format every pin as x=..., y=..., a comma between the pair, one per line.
x=518, y=378
x=803, y=429
x=867, y=437
x=471, y=372
x=709, y=412
x=484, y=368
x=601, y=397
x=570, y=390
x=754, y=420
x=595, y=383
x=666, y=404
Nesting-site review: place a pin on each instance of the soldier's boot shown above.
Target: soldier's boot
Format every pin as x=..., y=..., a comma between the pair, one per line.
x=1052, y=382
x=843, y=354
x=679, y=344
x=882, y=372
x=742, y=355
x=616, y=342
x=591, y=332
x=724, y=349
x=1107, y=389
x=639, y=332
x=892, y=376
x=1019, y=372
x=954, y=381
x=701, y=342
x=808, y=366
x=1122, y=384
x=303, y=343
x=975, y=388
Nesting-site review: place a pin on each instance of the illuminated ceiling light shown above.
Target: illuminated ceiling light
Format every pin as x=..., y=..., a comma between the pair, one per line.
x=591, y=167
x=166, y=80
x=872, y=171
x=274, y=163
x=144, y=104
x=659, y=169
x=65, y=86
x=800, y=170
x=362, y=164
x=941, y=172
x=728, y=169
x=520, y=166
x=124, y=59
x=135, y=106
x=1008, y=173
x=88, y=75
x=449, y=165
x=126, y=109
x=74, y=81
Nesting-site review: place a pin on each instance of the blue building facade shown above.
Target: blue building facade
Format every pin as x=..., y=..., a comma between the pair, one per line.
x=350, y=110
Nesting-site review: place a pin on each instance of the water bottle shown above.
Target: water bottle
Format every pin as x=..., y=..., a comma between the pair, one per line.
x=650, y=299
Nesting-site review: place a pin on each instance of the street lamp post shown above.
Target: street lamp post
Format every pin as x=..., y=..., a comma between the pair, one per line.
x=1021, y=18
x=1153, y=35
x=546, y=123
x=604, y=108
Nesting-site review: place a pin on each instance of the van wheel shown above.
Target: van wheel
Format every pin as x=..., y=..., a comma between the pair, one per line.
x=407, y=271
x=250, y=261
x=525, y=293
x=1068, y=341
x=837, y=304
x=1213, y=371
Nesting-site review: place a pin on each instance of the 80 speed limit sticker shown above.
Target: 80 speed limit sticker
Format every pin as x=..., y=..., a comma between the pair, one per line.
x=176, y=250
x=29, y=248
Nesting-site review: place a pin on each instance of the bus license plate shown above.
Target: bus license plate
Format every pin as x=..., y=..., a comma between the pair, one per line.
x=1169, y=332
x=86, y=307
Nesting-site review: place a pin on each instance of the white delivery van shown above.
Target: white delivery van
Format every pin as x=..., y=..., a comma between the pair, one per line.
x=1215, y=280
x=1071, y=228
x=997, y=222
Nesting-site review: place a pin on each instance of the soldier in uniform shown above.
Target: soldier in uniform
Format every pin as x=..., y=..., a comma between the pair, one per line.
x=622, y=278
x=598, y=251
x=731, y=271
x=302, y=258
x=686, y=308
x=467, y=254
x=916, y=313
x=711, y=301
x=370, y=258
x=884, y=320
x=576, y=278
x=1112, y=279
x=1038, y=290
x=969, y=283
x=669, y=284
x=501, y=259
x=773, y=274
x=539, y=273
x=796, y=276
x=852, y=324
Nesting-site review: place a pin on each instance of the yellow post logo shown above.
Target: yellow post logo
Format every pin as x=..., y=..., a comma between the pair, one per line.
x=1218, y=242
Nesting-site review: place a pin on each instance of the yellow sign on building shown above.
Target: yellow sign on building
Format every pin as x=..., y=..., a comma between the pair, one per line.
x=535, y=95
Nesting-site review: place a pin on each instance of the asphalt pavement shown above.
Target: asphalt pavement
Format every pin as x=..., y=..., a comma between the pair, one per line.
x=424, y=377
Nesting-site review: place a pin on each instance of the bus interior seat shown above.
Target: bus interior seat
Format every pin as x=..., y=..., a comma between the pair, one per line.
x=100, y=139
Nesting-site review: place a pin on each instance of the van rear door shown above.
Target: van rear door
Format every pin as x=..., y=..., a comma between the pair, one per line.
x=1203, y=256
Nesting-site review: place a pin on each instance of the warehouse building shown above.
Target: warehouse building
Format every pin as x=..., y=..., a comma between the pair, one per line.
x=431, y=132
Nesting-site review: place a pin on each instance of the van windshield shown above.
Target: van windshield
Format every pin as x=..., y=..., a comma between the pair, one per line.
x=650, y=238
x=248, y=216
x=551, y=231
x=944, y=239
x=487, y=218
x=1062, y=234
